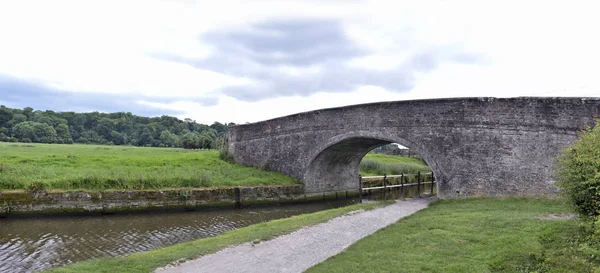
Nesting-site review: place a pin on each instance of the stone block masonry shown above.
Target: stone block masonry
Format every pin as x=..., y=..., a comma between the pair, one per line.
x=21, y=202
x=475, y=146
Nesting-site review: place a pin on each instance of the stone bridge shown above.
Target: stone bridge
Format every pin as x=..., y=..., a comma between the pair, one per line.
x=475, y=146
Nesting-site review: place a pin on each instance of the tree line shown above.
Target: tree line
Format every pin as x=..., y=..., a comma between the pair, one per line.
x=29, y=125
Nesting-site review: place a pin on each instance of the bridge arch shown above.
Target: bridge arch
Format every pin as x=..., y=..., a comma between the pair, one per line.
x=475, y=146
x=335, y=164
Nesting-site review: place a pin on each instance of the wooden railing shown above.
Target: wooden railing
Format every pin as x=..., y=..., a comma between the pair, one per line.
x=402, y=178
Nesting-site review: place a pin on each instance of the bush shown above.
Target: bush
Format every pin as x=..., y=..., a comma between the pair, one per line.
x=225, y=155
x=578, y=172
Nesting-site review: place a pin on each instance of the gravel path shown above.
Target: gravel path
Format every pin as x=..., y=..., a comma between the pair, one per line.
x=304, y=248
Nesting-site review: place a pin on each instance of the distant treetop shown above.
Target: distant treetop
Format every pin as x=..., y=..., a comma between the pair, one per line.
x=29, y=125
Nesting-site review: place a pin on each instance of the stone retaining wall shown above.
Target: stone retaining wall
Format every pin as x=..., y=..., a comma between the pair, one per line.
x=111, y=201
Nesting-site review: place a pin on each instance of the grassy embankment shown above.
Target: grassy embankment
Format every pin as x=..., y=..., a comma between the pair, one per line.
x=468, y=235
x=472, y=235
x=148, y=261
x=95, y=167
x=380, y=164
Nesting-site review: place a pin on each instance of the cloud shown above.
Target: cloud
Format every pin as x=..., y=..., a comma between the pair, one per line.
x=297, y=42
x=302, y=57
x=18, y=93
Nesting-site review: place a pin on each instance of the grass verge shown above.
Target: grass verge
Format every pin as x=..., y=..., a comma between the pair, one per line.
x=380, y=164
x=472, y=235
x=149, y=261
x=95, y=167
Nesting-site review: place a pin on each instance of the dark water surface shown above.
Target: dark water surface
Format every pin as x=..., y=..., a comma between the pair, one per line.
x=397, y=193
x=34, y=244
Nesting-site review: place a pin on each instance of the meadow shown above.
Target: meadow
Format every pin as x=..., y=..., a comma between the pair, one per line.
x=474, y=235
x=101, y=167
x=380, y=164
x=97, y=167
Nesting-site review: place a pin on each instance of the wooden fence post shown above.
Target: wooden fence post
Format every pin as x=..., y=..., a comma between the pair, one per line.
x=238, y=197
x=384, y=186
x=360, y=188
x=419, y=184
x=432, y=181
x=401, y=185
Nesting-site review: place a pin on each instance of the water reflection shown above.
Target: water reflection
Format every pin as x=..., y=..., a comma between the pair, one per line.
x=398, y=193
x=33, y=244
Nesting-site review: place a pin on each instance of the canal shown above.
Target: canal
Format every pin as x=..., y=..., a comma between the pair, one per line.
x=29, y=244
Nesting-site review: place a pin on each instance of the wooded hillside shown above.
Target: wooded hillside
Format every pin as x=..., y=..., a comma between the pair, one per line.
x=29, y=125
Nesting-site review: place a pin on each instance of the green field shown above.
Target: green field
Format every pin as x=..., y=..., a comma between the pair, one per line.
x=54, y=166
x=473, y=235
x=380, y=164
x=100, y=167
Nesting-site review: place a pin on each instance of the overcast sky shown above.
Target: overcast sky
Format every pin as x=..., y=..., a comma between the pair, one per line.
x=246, y=61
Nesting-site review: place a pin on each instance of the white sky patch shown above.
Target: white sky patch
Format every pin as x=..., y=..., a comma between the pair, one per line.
x=297, y=71
x=383, y=61
x=532, y=48
x=233, y=110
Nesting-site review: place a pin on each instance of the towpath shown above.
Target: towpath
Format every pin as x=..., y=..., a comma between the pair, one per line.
x=304, y=248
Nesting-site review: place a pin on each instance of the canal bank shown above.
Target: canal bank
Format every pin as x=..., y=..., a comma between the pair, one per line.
x=85, y=202
x=63, y=238
x=306, y=247
x=150, y=260
x=20, y=202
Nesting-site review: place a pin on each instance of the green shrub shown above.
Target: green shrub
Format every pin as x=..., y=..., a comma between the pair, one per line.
x=578, y=172
x=225, y=155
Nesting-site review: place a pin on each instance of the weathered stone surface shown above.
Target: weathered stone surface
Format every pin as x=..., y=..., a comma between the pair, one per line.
x=475, y=146
x=111, y=201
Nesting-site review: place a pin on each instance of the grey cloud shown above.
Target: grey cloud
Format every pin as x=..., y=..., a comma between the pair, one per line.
x=17, y=93
x=261, y=50
x=288, y=42
x=336, y=79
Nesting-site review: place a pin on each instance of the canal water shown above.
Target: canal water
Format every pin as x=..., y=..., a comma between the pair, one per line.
x=30, y=244
x=37, y=243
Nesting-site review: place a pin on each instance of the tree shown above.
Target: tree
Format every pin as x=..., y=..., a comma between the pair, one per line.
x=4, y=137
x=16, y=119
x=28, y=112
x=146, y=138
x=191, y=140
x=5, y=115
x=206, y=141
x=44, y=133
x=24, y=130
x=118, y=138
x=63, y=134
x=219, y=127
x=169, y=139
x=122, y=128
x=578, y=172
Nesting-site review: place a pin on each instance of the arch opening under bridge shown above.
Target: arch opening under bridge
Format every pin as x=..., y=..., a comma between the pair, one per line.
x=336, y=166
